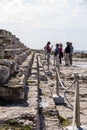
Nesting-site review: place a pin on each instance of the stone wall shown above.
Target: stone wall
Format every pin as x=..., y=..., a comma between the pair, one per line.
x=15, y=65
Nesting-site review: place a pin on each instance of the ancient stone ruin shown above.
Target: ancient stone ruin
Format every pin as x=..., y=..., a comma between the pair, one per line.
x=24, y=76
x=15, y=63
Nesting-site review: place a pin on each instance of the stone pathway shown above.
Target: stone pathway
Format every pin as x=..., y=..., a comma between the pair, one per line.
x=48, y=108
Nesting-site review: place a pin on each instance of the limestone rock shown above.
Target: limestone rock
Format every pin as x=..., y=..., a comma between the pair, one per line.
x=4, y=74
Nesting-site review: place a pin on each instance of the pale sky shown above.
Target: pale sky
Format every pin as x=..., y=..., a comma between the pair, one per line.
x=37, y=21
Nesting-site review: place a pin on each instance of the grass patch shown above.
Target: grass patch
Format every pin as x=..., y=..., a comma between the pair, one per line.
x=63, y=121
x=6, y=127
x=1, y=57
x=30, y=81
x=14, y=125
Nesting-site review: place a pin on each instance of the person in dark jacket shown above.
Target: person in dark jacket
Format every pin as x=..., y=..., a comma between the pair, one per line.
x=71, y=53
x=67, y=53
x=61, y=53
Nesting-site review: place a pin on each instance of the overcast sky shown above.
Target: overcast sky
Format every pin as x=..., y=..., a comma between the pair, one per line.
x=37, y=21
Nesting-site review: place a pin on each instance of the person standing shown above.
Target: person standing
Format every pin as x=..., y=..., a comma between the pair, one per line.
x=67, y=53
x=48, y=52
x=47, y=48
x=71, y=53
x=61, y=53
x=56, y=54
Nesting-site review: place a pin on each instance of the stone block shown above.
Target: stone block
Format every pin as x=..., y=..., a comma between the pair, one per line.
x=58, y=99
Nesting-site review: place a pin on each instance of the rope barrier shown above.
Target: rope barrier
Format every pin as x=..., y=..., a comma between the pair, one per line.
x=76, y=112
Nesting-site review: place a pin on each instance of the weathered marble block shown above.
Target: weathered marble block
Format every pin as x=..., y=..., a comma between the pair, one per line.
x=4, y=74
x=12, y=94
x=12, y=65
x=14, y=90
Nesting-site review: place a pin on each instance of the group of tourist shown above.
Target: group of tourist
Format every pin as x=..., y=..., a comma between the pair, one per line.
x=59, y=53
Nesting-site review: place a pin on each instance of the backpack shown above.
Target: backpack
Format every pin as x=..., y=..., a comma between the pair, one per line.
x=55, y=53
x=48, y=49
